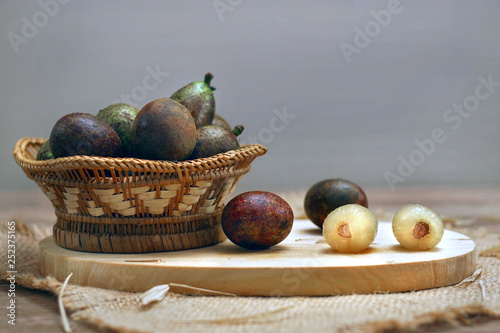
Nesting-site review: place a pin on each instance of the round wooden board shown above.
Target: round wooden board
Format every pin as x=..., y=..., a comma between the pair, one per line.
x=303, y=264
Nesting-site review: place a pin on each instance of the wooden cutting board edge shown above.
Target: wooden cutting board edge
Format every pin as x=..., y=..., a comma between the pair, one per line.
x=106, y=271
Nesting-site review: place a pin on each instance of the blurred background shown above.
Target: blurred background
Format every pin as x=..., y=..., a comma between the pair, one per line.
x=385, y=93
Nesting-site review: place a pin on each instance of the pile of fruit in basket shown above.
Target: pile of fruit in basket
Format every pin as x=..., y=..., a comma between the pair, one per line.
x=182, y=127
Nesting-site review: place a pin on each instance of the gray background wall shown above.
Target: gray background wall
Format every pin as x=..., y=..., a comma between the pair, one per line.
x=356, y=104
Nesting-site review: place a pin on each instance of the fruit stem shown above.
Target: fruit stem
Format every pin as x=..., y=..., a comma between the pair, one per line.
x=208, y=79
x=238, y=129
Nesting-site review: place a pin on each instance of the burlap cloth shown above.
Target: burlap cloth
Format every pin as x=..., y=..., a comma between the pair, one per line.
x=123, y=311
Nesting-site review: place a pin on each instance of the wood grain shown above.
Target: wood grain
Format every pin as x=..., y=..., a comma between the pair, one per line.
x=302, y=265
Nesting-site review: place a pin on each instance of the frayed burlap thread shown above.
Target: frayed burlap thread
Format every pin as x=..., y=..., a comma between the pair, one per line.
x=124, y=312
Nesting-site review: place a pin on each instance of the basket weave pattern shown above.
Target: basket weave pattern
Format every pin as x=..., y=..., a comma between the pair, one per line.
x=134, y=205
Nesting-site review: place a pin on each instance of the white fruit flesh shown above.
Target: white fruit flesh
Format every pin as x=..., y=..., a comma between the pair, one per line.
x=417, y=227
x=350, y=228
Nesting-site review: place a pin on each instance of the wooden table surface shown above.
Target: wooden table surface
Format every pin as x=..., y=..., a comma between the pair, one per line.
x=473, y=207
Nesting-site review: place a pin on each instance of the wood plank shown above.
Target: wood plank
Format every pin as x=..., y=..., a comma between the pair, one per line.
x=301, y=265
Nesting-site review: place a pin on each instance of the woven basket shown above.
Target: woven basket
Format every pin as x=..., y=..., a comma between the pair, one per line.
x=129, y=205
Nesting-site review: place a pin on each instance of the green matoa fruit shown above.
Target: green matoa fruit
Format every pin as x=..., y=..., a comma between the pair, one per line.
x=198, y=98
x=84, y=134
x=121, y=117
x=164, y=130
x=214, y=139
x=44, y=153
x=218, y=120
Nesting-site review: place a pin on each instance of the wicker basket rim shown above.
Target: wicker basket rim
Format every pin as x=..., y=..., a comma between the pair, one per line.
x=128, y=163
